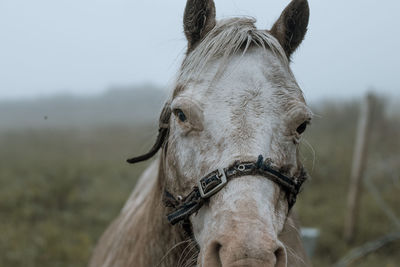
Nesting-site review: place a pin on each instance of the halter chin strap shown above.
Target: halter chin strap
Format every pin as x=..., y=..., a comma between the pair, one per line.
x=216, y=180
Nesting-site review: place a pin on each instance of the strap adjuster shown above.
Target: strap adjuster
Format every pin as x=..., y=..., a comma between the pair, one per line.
x=210, y=185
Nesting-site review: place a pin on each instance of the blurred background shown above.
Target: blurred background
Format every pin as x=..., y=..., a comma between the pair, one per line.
x=81, y=87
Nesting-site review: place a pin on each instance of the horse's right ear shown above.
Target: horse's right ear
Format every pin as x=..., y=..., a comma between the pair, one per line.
x=198, y=20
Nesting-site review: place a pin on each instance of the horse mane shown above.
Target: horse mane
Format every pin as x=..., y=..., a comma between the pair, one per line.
x=227, y=38
x=163, y=131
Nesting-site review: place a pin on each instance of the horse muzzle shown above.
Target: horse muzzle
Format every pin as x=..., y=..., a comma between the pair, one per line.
x=241, y=252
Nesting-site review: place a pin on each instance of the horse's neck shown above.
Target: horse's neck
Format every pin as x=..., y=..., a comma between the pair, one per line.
x=141, y=235
x=157, y=237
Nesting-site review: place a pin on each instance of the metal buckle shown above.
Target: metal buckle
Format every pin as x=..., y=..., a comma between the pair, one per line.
x=241, y=167
x=222, y=177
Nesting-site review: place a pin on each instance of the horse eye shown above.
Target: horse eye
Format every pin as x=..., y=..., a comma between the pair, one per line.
x=302, y=127
x=181, y=116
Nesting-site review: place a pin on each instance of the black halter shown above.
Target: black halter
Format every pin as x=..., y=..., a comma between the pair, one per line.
x=216, y=180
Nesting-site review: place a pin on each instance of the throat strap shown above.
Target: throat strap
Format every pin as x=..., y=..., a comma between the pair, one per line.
x=216, y=180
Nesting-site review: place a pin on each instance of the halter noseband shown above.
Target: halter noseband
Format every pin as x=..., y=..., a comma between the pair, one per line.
x=216, y=180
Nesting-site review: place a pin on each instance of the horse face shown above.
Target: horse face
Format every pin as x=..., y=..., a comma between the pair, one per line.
x=237, y=106
x=254, y=108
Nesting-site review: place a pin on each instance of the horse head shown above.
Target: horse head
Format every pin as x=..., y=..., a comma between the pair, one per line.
x=235, y=99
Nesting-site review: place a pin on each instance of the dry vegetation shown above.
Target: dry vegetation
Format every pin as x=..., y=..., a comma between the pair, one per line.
x=60, y=188
x=322, y=203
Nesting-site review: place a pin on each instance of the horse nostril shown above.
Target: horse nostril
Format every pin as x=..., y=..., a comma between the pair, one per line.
x=280, y=256
x=217, y=249
x=213, y=255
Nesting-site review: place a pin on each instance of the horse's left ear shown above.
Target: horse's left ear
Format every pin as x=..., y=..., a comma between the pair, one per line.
x=198, y=20
x=291, y=26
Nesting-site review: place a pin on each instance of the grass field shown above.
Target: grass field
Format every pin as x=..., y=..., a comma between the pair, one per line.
x=60, y=188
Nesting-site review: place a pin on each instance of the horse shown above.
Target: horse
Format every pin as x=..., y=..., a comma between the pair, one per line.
x=227, y=170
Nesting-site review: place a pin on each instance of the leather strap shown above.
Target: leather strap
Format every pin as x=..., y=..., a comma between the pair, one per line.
x=216, y=180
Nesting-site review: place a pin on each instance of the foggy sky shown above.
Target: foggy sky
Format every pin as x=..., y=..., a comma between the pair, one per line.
x=49, y=47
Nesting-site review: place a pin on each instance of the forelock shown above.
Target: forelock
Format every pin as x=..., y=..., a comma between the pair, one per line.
x=229, y=37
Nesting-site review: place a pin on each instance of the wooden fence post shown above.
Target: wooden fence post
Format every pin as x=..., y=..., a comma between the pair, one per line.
x=358, y=167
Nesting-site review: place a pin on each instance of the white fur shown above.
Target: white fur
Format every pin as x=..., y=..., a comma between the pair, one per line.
x=241, y=100
x=246, y=114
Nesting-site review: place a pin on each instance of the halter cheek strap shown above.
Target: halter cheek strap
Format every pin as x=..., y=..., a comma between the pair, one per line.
x=216, y=180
